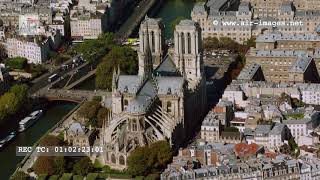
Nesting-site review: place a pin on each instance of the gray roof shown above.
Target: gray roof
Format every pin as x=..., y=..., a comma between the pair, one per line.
x=212, y=119
x=152, y=22
x=286, y=7
x=143, y=100
x=301, y=64
x=167, y=67
x=76, y=128
x=249, y=71
x=318, y=29
x=199, y=8
x=263, y=129
x=276, y=36
x=216, y=5
x=169, y=85
x=277, y=53
x=277, y=129
x=129, y=83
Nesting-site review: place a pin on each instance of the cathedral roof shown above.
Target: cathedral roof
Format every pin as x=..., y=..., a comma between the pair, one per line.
x=129, y=83
x=169, y=85
x=76, y=128
x=144, y=98
x=167, y=67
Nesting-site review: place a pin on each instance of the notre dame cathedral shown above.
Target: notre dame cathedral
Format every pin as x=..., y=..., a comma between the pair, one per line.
x=165, y=101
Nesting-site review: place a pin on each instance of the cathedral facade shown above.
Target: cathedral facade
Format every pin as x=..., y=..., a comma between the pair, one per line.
x=166, y=100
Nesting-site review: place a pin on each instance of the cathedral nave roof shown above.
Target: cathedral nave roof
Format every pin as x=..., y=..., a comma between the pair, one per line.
x=129, y=83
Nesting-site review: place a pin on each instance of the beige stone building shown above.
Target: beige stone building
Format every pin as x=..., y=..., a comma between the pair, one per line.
x=220, y=18
x=86, y=24
x=35, y=49
x=284, y=65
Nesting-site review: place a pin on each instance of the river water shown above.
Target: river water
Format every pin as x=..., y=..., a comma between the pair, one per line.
x=8, y=158
x=173, y=9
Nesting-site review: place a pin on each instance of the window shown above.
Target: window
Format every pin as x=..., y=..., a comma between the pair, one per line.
x=121, y=160
x=189, y=43
x=134, y=125
x=125, y=104
x=169, y=107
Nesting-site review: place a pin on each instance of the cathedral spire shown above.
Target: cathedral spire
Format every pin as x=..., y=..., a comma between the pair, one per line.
x=114, y=79
x=147, y=52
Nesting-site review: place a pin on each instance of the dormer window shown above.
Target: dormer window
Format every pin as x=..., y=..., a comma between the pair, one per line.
x=169, y=91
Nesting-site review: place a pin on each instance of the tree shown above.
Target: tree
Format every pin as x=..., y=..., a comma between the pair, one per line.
x=20, y=175
x=162, y=153
x=123, y=56
x=89, y=110
x=102, y=116
x=2, y=52
x=50, y=140
x=138, y=161
x=211, y=43
x=83, y=167
x=59, y=165
x=94, y=49
x=16, y=62
x=21, y=92
x=50, y=165
x=149, y=159
x=44, y=165
x=13, y=100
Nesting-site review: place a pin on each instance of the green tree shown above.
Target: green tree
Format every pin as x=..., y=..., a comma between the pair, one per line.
x=138, y=161
x=102, y=116
x=16, y=62
x=21, y=92
x=59, y=165
x=89, y=110
x=94, y=49
x=12, y=101
x=211, y=43
x=123, y=56
x=83, y=167
x=149, y=159
x=20, y=175
x=2, y=52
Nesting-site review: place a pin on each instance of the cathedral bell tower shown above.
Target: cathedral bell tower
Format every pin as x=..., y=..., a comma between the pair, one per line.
x=151, y=32
x=187, y=54
x=145, y=55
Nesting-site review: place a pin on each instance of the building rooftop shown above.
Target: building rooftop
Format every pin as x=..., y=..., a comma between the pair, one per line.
x=212, y=119
x=272, y=37
x=248, y=72
x=301, y=64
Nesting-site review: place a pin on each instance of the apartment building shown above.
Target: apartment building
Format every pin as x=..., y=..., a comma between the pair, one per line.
x=35, y=49
x=87, y=25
